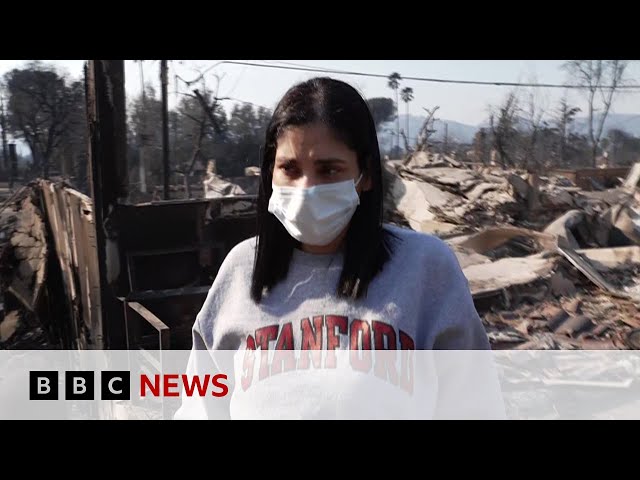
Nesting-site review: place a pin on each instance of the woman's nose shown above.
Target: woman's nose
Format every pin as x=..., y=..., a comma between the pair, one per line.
x=306, y=181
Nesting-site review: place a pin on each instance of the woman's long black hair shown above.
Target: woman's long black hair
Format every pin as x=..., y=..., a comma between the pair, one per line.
x=340, y=107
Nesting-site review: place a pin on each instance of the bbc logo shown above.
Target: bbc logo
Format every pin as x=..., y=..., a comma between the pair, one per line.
x=114, y=385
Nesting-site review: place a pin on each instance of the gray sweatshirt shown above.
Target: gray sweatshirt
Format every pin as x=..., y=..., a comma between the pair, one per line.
x=420, y=301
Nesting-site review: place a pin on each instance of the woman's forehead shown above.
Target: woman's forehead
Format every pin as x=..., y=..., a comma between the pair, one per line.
x=313, y=141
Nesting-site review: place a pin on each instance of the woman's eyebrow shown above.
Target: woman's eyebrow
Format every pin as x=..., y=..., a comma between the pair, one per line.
x=329, y=161
x=285, y=159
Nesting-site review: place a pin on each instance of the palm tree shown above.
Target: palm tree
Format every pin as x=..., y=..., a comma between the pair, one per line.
x=394, y=84
x=407, y=96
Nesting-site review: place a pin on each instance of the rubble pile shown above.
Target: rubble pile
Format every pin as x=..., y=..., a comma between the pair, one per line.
x=216, y=186
x=550, y=265
x=23, y=270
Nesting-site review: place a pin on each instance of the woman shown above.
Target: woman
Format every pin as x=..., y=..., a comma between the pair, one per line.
x=323, y=272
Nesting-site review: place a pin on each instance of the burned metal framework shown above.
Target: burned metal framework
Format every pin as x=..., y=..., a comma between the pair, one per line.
x=170, y=253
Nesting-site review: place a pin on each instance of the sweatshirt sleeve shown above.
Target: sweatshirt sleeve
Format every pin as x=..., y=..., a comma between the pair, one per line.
x=468, y=381
x=459, y=325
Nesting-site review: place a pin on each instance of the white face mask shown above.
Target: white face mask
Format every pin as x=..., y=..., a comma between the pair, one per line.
x=315, y=215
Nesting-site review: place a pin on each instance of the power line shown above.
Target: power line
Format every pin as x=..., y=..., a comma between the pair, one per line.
x=302, y=68
x=244, y=69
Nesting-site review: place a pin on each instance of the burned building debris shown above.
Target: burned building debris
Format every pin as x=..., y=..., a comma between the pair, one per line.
x=160, y=265
x=550, y=264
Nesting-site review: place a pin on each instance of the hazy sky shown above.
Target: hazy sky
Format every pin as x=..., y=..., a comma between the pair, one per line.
x=462, y=103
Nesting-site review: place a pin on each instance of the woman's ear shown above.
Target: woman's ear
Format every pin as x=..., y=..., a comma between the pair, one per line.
x=367, y=184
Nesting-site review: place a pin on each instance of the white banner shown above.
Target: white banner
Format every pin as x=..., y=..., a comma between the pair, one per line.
x=319, y=384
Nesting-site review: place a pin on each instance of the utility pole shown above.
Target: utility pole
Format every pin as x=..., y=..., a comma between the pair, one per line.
x=175, y=123
x=165, y=126
x=446, y=137
x=3, y=125
x=142, y=166
x=14, y=165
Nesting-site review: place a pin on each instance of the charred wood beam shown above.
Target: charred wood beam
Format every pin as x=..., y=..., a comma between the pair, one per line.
x=106, y=116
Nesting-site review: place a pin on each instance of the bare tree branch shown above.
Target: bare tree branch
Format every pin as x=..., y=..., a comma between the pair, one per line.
x=407, y=147
x=426, y=130
x=209, y=109
x=602, y=77
x=503, y=128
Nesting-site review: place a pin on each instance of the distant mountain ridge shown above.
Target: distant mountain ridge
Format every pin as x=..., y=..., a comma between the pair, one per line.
x=463, y=133
x=627, y=122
